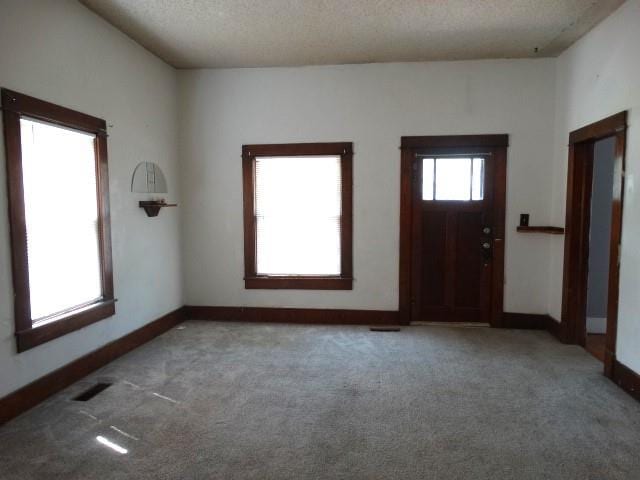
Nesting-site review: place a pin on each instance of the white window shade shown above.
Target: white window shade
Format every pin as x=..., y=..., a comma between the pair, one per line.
x=297, y=215
x=61, y=213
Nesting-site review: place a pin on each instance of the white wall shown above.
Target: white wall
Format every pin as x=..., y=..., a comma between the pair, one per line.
x=61, y=52
x=373, y=106
x=597, y=77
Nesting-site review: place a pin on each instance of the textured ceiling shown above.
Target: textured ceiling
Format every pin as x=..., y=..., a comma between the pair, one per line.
x=250, y=33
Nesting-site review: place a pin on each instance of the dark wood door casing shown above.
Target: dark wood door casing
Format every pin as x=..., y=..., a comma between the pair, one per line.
x=576, y=246
x=411, y=214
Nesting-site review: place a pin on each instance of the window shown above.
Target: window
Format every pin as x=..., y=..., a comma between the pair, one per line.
x=58, y=199
x=452, y=178
x=297, y=217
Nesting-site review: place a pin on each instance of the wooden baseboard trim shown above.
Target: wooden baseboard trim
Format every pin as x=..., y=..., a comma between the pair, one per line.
x=528, y=321
x=294, y=315
x=626, y=379
x=556, y=329
x=30, y=395
x=533, y=321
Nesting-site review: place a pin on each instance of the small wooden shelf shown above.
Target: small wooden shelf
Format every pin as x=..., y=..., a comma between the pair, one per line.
x=542, y=229
x=152, y=207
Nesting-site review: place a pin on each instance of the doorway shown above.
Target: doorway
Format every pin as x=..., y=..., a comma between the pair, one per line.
x=593, y=233
x=452, y=228
x=599, y=239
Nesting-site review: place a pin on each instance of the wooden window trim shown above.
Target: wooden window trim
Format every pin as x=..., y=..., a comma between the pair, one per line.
x=452, y=143
x=15, y=106
x=252, y=280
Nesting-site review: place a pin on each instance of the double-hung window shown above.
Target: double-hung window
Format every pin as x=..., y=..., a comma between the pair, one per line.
x=298, y=216
x=59, y=215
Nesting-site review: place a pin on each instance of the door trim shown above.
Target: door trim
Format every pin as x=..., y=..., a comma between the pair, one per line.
x=411, y=148
x=576, y=244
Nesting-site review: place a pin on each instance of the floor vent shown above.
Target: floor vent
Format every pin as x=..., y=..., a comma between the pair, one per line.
x=385, y=328
x=92, y=392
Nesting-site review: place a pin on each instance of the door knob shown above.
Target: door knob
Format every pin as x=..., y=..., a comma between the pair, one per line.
x=486, y=252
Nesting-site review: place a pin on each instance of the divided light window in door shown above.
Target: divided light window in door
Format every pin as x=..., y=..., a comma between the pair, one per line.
x=453, y=178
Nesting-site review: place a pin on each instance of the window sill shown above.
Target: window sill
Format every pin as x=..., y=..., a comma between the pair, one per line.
x=298, y=283
x=74, y=320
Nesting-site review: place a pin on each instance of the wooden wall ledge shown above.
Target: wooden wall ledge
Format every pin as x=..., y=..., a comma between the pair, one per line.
x=542, y=229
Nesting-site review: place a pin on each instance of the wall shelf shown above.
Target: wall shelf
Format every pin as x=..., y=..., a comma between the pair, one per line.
x=152, y=207
x=541, y=229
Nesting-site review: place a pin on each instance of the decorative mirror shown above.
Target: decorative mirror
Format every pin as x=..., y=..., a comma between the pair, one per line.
x=148, y=178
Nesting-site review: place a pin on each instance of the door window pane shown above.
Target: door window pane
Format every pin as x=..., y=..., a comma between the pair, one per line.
x=453, y=178
x=428, y=165
x=477, y=179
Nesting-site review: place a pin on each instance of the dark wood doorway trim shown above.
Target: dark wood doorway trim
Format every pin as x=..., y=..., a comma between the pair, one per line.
x=576, y=245
x=411, y=148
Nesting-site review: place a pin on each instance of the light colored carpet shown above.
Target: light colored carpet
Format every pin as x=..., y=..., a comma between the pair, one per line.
x=250, y=401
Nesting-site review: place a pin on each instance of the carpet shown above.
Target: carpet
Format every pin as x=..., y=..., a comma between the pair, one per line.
x=213, y=400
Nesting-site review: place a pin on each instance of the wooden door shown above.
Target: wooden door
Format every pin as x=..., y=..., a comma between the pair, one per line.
x=457, y=223
x=452, y=213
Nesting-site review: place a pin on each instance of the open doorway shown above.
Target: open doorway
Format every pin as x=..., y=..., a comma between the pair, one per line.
x=599, y=245
x=593, y=233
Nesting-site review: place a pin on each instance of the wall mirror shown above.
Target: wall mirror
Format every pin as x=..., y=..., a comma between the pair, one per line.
x=148, y=178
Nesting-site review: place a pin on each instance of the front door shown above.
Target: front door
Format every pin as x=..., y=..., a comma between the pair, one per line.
x=457, y=223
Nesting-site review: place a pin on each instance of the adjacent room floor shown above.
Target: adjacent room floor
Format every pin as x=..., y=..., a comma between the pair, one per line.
x=595, y=345
x=213, y=400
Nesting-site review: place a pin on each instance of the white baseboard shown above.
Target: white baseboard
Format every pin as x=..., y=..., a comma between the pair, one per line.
x=596, y=325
